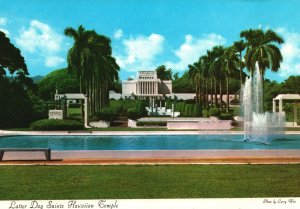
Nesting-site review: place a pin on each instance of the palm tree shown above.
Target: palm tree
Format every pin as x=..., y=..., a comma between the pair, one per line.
x=204, y=60
x=91, y=58
x=230, y=68
x=262, y=49
x=216, y=69
x=80, y=56
x=237, y=48
x=208, y=62
x=195, y=75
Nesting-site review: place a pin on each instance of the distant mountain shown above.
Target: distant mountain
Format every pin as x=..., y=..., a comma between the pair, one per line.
x=37, y=78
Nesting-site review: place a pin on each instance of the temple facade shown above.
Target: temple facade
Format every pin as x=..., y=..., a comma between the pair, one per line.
x=146, y=85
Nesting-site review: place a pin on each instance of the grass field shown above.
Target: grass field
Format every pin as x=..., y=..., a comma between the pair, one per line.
x=163, y=181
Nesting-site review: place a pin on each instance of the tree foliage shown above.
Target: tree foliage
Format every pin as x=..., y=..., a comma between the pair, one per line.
x=59, y=80
x=91, y=59
x=16, y=108
x=163, y=73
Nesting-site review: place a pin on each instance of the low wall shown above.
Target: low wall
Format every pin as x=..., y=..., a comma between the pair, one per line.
x=100, y=124
x=131, y=123
x=202, y=124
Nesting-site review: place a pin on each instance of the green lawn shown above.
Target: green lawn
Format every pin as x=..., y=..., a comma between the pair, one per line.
x=163, y=181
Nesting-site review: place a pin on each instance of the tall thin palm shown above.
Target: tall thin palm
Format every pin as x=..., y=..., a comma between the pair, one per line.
x=237, y=48
x=194, y=75
x=230, y=68
x=216, y=69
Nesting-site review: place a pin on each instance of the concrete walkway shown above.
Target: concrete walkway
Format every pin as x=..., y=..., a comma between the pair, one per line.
x=156, y=157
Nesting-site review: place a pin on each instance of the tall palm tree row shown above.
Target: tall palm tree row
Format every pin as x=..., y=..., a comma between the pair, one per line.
x=91, y=58
x=220, y=63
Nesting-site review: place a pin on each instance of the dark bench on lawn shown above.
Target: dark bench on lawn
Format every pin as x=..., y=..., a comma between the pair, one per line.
x=47, y=151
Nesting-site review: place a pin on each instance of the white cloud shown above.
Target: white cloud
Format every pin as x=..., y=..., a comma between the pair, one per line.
x=41, y=39
x=291, y=53
x=3, y=21
x=53, y=61
x=140, y=52
x=118, y=34
x=5, y=31
x=193, y=48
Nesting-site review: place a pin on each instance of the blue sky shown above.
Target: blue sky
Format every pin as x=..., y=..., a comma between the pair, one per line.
x=148, y=33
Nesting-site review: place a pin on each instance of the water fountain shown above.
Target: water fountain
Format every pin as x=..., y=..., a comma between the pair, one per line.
x=259, y=126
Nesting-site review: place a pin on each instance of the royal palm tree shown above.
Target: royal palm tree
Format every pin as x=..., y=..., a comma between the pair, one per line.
x=195, y=75
x=91, y=58
x=237, y=48
x=262, y=48
x=216, y=69
x=230, y=68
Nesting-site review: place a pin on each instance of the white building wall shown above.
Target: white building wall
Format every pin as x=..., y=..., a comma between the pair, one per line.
x=167, y=85
x=129, y=87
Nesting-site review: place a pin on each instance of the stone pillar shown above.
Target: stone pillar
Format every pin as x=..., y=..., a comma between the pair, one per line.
x=152, y=92
x=280, y=105
x=274, y=105
x=146, y=87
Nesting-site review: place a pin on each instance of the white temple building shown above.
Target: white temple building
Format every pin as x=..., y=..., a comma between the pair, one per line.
x=146, y=85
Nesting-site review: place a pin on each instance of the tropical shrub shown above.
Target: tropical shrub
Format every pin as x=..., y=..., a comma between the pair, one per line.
x=214, y=112
x=237, y=111
x=191, y=110
x=205, y=113
x=132, y=114
x=197, y=110
x=54, y=124
x=74, y=105
x=141, y=109
x=186, y=110
x=225, y=116
x=182, y=108
x=107, y=114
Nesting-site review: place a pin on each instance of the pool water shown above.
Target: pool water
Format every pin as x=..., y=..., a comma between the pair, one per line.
x=157, y=142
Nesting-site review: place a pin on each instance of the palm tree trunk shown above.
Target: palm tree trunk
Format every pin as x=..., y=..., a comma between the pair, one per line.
x=221, y=95
x=197, y=92
x=227, y=92
x=81, y=101
x=216, y=95
x=263, y=92
x=206, y=94
x=241, y=70
x=211, y=92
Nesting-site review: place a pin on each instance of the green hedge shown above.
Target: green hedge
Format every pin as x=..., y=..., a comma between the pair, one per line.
x=214, y=112
x=225, y=116
x=205, y=113
x=151, y=123
x=107, y=114
x=197, y=110
x=54, y=124
x=132, y=114
x=74, y=105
